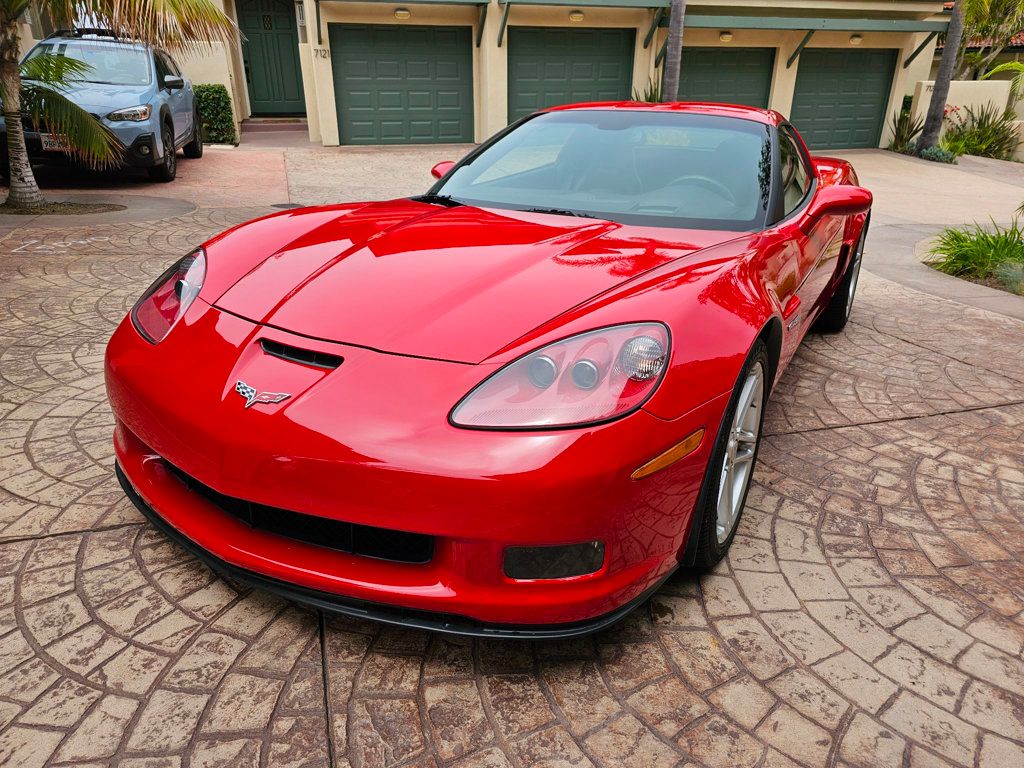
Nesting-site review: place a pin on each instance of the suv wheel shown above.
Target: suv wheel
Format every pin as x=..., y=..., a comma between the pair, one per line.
x=194, y=149
x=168, y=167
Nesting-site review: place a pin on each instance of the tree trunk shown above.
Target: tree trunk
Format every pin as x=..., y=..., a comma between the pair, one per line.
x=24, y=192
x=673, y=51
x=936, y=109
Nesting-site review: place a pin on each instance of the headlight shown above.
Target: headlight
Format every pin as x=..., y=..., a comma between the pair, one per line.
x=135, y=114
x=586, y=379
x=169, y=297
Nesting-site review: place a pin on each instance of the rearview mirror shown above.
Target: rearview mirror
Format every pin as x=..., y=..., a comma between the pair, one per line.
x=442, y=168
x=173, y=81
x=839, y=200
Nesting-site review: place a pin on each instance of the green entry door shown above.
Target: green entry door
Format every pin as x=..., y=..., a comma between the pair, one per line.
x=841, y=96
x=730, y=75
x=547, y=67
x=402, y=84
x=271, y=54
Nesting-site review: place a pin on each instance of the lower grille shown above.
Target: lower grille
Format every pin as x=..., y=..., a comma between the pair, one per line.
x=354, y=539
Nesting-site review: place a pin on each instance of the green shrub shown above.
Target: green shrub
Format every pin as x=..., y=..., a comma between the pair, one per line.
x=214, y=105
x=938, y=155
x=1011, y=277
x=905, y=130
x=651, y=92
x=977, y=253
x=987, y=132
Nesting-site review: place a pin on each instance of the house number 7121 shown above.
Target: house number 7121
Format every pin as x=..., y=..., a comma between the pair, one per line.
x=322, y=53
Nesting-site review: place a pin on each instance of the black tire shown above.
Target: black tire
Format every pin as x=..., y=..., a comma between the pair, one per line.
x=710, y=546
x=194, y=149
x=837, y=314
x=168, y=168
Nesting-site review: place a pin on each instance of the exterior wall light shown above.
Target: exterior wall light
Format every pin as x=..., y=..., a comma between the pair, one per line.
x=402, y=14
x=856, y=39
x=576, y=16
x=725, y=37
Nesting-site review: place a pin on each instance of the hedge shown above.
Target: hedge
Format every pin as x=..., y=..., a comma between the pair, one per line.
x=214, y=105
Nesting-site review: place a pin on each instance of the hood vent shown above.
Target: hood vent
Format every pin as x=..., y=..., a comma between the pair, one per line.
x=302, y=356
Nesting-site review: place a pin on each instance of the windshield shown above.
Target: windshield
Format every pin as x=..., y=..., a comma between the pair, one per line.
x=111, y=64
x=630, y=166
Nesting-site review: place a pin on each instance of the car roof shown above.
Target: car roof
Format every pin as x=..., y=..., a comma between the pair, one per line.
x=767, y=116
x=93, y=38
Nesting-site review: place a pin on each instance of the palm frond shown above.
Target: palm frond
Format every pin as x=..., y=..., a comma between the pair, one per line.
x=91, y=142
x=184, y=25
x=53, y=69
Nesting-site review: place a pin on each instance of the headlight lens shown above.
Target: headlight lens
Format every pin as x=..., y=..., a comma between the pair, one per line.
x=163, y=304
x=586, y=379
x=135, y=114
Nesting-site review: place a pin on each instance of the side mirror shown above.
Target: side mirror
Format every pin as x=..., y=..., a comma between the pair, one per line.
x=839, y=200
x=173, y=81
x=442, y=168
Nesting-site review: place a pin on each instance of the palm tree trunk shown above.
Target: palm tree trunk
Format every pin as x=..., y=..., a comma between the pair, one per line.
x=24, y=192
x=673, y=51
x=940, y=90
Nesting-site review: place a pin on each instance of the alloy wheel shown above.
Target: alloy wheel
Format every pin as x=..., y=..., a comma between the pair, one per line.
x=738, y=464
x=858, y=256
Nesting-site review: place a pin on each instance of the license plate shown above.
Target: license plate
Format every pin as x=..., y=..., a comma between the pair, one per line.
x=55, y=142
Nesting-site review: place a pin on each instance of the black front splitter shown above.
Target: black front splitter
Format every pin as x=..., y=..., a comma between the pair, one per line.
x=387, y=614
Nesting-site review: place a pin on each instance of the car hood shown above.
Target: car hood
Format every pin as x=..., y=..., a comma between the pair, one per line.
x=101, y=99
x=452, y=284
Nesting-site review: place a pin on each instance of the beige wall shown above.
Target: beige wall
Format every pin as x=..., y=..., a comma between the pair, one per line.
x=963, y=93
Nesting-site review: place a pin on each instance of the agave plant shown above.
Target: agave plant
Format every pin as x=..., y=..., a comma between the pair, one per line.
x=34, y=90
x=905, y=130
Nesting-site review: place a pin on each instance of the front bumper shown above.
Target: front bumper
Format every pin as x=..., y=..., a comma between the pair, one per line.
x=141, y=150
x=369, y=443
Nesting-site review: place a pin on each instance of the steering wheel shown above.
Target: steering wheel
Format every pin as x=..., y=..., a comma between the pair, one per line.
x=708, y=183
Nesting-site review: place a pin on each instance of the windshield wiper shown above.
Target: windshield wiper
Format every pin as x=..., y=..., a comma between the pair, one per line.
x=447, y=200
x=561, y=212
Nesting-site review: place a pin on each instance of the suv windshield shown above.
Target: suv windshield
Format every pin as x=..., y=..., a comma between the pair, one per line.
x=110, y=63
x=631, y=166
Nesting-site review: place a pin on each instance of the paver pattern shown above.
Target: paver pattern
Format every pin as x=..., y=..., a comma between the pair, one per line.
x=870, y=613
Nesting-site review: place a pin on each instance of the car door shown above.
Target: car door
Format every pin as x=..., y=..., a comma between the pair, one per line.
x=179, y=100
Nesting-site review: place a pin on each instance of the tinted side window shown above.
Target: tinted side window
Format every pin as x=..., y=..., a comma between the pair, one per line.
x=161, y=69
x=172, y=65
x=796, y=177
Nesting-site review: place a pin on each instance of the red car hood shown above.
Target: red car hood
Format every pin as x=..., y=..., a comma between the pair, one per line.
x=446, y=283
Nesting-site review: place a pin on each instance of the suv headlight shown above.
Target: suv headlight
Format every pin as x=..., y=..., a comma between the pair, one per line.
x=134, y=114
x=589, y=378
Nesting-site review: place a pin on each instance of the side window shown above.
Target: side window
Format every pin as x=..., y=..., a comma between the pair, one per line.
x=796, y=177
x=172, y=65
x=162, y=69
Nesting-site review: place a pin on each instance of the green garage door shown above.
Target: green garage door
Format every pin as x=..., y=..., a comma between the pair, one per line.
x=402, y=84
x=841, y=96
x=731, y=75
x=547, y=67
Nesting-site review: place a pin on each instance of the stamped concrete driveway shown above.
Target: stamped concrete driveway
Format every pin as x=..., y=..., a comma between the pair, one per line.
x=871, y=612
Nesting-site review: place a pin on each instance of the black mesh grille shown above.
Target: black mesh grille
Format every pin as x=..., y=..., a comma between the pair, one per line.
x=364, y=540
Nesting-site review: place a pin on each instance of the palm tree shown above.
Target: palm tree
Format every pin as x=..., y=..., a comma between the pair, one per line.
x=673, y=51
x=34, y=89
x=940, y=90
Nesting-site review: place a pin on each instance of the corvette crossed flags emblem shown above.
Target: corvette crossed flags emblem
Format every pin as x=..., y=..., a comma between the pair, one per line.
x=252, y=397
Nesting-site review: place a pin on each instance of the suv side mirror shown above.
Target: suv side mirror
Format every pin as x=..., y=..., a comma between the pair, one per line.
x=442, y=168
x=839, y=200
x=173, y=81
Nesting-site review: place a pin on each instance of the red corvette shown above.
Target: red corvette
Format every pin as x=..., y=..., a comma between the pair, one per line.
x=509, y=407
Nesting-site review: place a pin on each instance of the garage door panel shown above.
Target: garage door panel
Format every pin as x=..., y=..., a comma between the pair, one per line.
x=402, y=84
x=841, y=96
x=730, y=75
x=551, y=66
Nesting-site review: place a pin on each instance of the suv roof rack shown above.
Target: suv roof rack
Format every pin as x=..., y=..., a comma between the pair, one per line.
x=86, y=31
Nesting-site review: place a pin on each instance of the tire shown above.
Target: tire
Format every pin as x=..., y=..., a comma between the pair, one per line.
x=718, y=530
x=168, y=167
x=194, y=149
x=837, y=314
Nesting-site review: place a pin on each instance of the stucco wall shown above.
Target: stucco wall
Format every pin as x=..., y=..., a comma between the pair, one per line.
x=963, y=93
